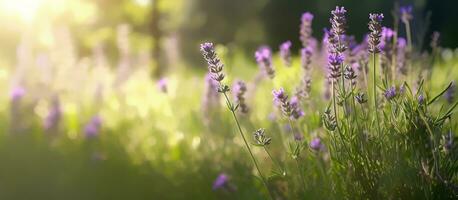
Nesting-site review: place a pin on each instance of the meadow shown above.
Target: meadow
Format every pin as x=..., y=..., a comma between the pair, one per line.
x=344, y=118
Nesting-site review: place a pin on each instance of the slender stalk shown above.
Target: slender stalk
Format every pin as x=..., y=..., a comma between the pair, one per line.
x=248, y=147
x=375, y=92
x=409, y=47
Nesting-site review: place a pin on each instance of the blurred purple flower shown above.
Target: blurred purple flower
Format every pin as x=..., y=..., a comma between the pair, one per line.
x=306, y=28
x=264, y=59
x=306, y=57
x=285, y=52
x=92, y=128
x=162, y=84
x=221, y=181
x=406, y=13
x=298, y=137
x=54, y=115
x=401, y=55
x=316, y=144
x=239, y=89
x=390, y=93
x=296, y=111
x=17, y=93
x=421, y=99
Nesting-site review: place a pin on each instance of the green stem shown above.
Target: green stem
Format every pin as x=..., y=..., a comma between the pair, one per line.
x=375, y=92
x=248, y=147
x=274, y=161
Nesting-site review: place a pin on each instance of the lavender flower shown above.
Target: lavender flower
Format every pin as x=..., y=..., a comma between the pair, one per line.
x=390, y=93
x=361, y=98
x=406, y=13
x=304, y=89
x=221, y=181
x=306, y=28
x=338, y=21
x=17, y=93
x=52, y=120
x=264, y=59
x=92, y=128
x=329, y=120
x=162, y=84
x=306, y=57
x=296, y=111
x=285, y=52
x=298, y=137
x=402, y=55
x=260, y=137
x=421, y=99
x=349, y=73
x=375, y=26
x=316, y=144
x=282, y=98
x=450, y=93
x=239, y=90
x=335, y=45
x=215, y=66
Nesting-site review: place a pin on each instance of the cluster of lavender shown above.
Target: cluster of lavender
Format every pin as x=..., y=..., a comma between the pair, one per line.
x=336, y=47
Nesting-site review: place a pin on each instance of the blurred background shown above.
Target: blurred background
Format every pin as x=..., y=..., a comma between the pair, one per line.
x=168, y=30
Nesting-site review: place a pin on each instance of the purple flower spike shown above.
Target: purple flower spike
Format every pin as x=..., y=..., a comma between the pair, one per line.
x=221, y=181
x=239, y=89
x=296, y=111
x=406, y=13
x=375, y=26
x=306, y=28
x=316, y=144
x=390, y=93
x=17, y=93
x=421, y=99
x=54, y=115
x=264, y=59
x=215, y=66
x=92, y=128
x=162, y=84
x=285, y=52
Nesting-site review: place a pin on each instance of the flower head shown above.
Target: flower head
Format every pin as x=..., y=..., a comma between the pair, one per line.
x=316, y=144
x=390, y=93
x=92, y=128
x=162, y=84
x=375, y=26
x=306, y=28
x=54, y=115
x=17, y=93
x=406, y=13
x=421, y=99
x=306, y=57
x=282, y=98
x=296, y=111
x=239, y=90
x=361, y=98
x=260, y=137
x=221, y=181
x=338, y=21
x=215, y=66
x=264, y=59
x=285, y=52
